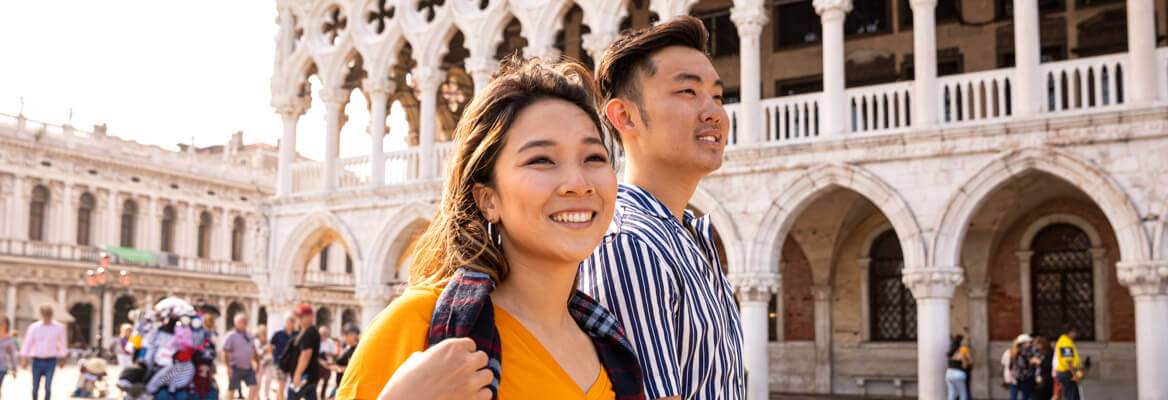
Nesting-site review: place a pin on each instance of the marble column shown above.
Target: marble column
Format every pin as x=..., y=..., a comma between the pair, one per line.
x=17, y=208
x=749, y=17
x=933, y=288
x=823, y=339
x=334, y=100
x=378, y=90
x=10, y=303
x=1148, y=282
x=979, y=337
x=290, y=112
x=107, y=315
x=1028, y=93
x=754, y=292
x=1141, y=44
x=480, y=69
x=834, y=119
x=924, y=96
x=428, y=79
x=66, y=210
x=112, y=226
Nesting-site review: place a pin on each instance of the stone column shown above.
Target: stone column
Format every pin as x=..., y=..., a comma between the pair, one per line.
x=253, y=314
x=1029, y=96
x=1024, y=283
x=749, y=17
x=1148, y=282
x=823, y=338
x=65, y=210
x=1141, y=45
x=924, y=96
x=223, y=231
x=290, y=113
x=378, y=91
x=428, y=79
x=933, y=288
x=979, y=337
x=754, y=292
x=480, y=69
x=17, y=206
x=596, y=42
x=112, y=225
x=107, y=315
x=831, y=14
x=10, y=303
x=334, y=100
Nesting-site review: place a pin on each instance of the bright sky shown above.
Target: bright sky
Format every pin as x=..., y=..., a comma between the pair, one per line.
x=160, y=72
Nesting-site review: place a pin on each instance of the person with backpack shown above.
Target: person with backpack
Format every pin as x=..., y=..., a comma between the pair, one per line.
x=301, y=359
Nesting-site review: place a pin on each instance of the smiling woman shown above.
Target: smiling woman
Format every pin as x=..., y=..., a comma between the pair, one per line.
x=529, y=193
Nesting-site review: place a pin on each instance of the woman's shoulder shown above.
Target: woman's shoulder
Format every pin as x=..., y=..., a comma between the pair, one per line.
x=414, y=307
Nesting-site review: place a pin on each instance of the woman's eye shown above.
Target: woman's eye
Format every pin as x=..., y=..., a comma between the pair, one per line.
x=597, y=158
x=540, y=160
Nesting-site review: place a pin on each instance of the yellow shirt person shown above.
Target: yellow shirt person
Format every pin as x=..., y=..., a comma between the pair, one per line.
x=1067, y=356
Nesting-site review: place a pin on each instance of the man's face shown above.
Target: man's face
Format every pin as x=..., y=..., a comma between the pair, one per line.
x=1073, y=334
x=241, y=324
x=290, y=324
x=682, y=123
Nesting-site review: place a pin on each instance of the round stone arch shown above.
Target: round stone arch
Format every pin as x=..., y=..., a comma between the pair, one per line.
x=815, y=181
x=393, y=240
x=961, y=206
x=1160, y=234
x=723, y=223
x=299, y=247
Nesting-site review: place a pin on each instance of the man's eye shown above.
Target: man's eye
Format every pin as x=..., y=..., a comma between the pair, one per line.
x=687, y=91
x=597, y=158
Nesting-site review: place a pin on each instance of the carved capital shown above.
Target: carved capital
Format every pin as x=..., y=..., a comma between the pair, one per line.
x=822, y=7
x=749, y=20
x=932, y=282
x=821, y=292
x=1148, y=278
x=334, y=97
x=378, y=86
x=978, y=290
x=755, y=286
x=428, y=79
x=290, y=106
x=596, y=42
x=481, y=65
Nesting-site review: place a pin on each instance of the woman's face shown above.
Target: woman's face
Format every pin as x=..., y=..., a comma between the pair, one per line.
x=554, y=187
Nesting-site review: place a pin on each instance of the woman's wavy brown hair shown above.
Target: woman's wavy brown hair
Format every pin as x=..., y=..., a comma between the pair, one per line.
x=458, y=236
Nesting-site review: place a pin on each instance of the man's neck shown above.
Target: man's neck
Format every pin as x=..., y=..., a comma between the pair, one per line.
x=672, y=189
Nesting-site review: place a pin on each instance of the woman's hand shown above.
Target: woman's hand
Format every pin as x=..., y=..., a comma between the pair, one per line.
x=450, y=370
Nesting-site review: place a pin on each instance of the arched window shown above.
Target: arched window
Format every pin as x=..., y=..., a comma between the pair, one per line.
x=348, y=317
x=36, y=213
x=237, y=239
x=204, y=237
x=1062, y=281
x=84, y=217
x=324, y=258
x=129, y=222
x=348, y=264
x=893, y=308
x=324, y=317
x=168, y=218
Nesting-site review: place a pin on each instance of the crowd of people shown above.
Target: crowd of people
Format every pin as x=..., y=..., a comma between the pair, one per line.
x=1032, y=369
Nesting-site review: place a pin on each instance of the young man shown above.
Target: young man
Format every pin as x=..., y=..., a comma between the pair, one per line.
x=239, y=356
x=1068, y=369
x=278, y=343
x=306, y=372
x=657, y=269
x=45, y=345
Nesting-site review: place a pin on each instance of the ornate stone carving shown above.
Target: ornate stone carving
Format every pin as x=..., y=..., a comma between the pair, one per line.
x=823, y=6
x=749, y=20
x=932, y=282
x=1149, y=278
x=334, y=97
x=373, y=85
x=427, y=79
x=755, y=286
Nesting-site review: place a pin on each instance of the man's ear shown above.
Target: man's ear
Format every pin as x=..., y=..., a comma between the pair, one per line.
x=625, y=116
x=487, y=201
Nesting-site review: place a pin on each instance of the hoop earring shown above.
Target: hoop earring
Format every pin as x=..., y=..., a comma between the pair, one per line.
x=493, y=234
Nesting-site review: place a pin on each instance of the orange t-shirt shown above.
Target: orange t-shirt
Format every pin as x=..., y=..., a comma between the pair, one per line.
x=529, y=371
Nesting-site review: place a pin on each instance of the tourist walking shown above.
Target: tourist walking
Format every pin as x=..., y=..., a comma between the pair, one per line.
x=1023, y=364
x=239, y=356
x=123, y=349
x=301, y=360
x=264, y=354
x=8, y=361
x=528, y=195
x=352, y=336
x=45, y=346
x=658, y=268
x=1068, y=367
x=278, y=343
x=955, y=376
x=329, y=350
x=1043, y=375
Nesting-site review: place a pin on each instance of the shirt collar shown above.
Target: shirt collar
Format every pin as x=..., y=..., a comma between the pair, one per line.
x=636, y=197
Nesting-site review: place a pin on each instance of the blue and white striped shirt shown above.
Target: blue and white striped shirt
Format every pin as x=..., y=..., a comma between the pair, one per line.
x=668, y=290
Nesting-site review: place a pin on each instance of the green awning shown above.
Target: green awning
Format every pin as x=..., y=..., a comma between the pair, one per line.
x=131, y=254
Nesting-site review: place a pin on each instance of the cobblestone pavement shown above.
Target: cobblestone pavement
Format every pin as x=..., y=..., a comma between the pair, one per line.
x=65, y=380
